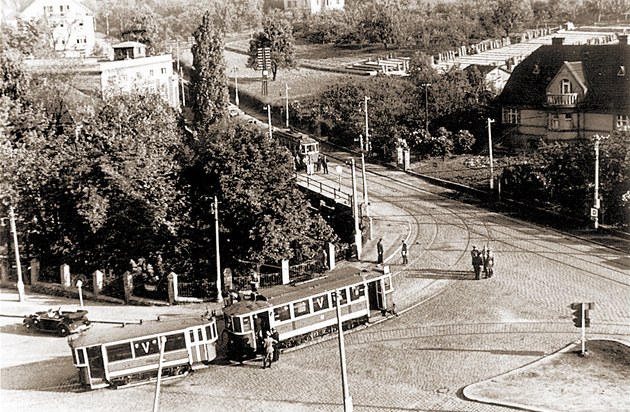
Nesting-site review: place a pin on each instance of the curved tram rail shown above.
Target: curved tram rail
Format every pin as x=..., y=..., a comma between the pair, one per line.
x=131, y=354
x=304, y=311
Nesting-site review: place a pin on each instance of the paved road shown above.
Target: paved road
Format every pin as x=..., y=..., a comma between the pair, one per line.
x=452, y=330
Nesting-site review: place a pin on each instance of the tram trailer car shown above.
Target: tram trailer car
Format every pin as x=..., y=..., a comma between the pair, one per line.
x=299, y=143
x=307, y=310
x=129, y=355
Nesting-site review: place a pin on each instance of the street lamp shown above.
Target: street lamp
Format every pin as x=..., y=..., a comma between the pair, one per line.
x=595, y=212
x=490, y=121
x=268, y=107
x=214, y=209
x=367, y=135
x=20, y=283
x=426, y=107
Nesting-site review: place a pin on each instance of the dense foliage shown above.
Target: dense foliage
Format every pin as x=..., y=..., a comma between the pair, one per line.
x=277, y=35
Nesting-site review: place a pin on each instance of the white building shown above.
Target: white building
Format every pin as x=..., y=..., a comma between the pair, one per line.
x=130, y=72
x=312, y=6
x=70, y=22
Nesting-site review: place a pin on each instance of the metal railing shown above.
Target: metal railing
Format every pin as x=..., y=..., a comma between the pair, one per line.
x=567, y=99
x=333, y=192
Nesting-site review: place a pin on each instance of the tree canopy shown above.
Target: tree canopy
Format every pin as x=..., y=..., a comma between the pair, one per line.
x=277, y=35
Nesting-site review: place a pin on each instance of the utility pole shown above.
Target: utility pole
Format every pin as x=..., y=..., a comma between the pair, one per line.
x=286, y=103
x=236, y=100
x=490, y=121
x=367, y=132
x=181, y=76
x=595, y=211
x=20, y=282
x=156, y=398
x=365, y=196
x=215, y=211
x=347, y=399
x=269, y=121
x=355, y=212
x=426, y=107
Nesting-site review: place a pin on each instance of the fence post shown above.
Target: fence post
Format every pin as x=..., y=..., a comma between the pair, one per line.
x=128, y=286
x=285, y=271
x=97, y=282
x=64, y=273
x=34, y=271
x=172, y=288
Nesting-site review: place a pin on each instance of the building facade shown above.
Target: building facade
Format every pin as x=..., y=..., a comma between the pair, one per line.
x=309, y=6
x=132, y=72
x=71, y=25
x=563, y=92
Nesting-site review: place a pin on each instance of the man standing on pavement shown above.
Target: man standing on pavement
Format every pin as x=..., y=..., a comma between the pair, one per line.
x=268, y=345
x=379, y=250
x=477, y=262
x=403, y=252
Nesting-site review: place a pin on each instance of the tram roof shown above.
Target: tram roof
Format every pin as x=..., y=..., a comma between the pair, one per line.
x=98, y=336
x=303, y=137
x=333, y=280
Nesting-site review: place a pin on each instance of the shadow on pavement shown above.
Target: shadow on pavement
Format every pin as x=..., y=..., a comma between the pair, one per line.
x=53, y=375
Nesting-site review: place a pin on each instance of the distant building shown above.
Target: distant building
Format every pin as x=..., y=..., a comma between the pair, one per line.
x=307, y=6
x=70, y=22
x=495, y=77
x=562, y=92
x=130, y=71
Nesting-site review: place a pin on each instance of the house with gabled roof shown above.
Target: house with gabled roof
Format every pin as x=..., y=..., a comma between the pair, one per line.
x=70, y=22
x=562, y=92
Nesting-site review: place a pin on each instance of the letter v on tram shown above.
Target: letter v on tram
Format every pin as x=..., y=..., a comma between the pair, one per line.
x=307, y=310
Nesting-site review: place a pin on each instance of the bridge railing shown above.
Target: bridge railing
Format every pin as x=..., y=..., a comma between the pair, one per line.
x=325, y=189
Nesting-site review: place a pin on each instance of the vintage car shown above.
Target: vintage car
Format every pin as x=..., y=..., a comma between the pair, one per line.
x=55, y=321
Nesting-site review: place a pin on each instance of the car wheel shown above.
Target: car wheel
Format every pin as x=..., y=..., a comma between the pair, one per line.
x=63, y=330
x=28, y=324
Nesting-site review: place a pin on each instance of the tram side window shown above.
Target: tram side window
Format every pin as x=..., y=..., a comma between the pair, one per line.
x=146, y=347
x=175, y=342
x=343, y=297
x=119, y=352
x=357, y=292
x=320, y=303
x=281, y=313
x=301, y=308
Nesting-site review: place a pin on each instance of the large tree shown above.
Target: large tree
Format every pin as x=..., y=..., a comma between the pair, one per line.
x=277, y=35
x=210, y=97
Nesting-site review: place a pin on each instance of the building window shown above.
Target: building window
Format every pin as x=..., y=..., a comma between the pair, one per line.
x=163, y=70
x=565, y=86
x=511, y=116
x=623, y=122
x=151, y=73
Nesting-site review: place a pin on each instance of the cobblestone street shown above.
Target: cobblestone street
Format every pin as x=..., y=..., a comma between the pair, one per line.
x=451, y=332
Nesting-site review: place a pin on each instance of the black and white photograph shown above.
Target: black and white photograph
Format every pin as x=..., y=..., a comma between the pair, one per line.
x=315, y=205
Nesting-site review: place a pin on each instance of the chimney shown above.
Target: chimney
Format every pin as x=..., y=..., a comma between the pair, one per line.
x=557, y=41
x=623, y=39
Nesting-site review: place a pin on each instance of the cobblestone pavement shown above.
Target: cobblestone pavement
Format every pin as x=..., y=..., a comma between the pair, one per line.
x=452, y=331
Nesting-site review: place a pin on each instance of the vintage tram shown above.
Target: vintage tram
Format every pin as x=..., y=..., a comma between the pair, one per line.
x=129, y=355
x=307, y=310
x=299, y=144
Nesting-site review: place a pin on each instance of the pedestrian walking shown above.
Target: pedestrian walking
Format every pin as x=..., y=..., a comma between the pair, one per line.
x=268, y=345
x=403, y=252
x=477, y=262
x=325, y=164
x=379, y=251
x=488, y=263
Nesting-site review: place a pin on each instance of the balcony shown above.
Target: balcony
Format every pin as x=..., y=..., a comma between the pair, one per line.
x=562, y=100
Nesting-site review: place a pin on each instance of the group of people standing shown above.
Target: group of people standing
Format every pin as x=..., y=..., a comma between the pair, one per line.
x=306, y=163
x=482, y=260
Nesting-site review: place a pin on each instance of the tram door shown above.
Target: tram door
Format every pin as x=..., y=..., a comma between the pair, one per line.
x=261, y=326
x=95, y=363
x=376, y=294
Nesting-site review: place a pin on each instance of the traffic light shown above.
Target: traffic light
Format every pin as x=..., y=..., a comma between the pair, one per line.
x=577, y=315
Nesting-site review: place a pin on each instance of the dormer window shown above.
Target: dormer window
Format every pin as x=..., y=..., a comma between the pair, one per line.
x=622, y=71
x=536, y=69
x=565, y=86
